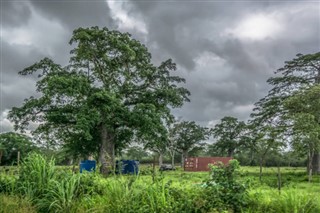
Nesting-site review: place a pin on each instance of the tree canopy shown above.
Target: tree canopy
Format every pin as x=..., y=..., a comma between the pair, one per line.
x=11, y=143
x=109, y=93
x=290, y=88
x=187, y=135
x=228, y=134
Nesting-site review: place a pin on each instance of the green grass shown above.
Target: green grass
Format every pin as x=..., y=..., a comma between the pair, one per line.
x=48, y=188
x=15, y=204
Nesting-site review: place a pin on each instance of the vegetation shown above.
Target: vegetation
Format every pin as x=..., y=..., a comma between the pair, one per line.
x=109, y=94
x=11, y=143
x=111, y=102
x=186, y=136
x=277, y=112
x=229, y=135
x=226, y=188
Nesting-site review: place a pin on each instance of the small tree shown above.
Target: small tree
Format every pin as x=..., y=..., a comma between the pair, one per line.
x=228, y=134
x=11, y=143
x=223, y=189
x=188, y=134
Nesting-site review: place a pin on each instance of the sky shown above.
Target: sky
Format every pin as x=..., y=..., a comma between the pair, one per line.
x=226, y=50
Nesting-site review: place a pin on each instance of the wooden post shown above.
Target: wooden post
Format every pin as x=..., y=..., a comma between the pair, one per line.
x=279, y=179
x=18, y=162
x=154, y=169
x=18, y=159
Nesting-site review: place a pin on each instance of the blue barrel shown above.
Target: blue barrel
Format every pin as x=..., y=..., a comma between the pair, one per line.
x=87, y=165
x=127, y=167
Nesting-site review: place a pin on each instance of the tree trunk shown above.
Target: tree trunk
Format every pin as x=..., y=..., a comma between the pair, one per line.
x=172, y=159
x=230, y=152
x=310, y=164
x=279, y=178
x=106, y=152
x=160, y=159
x=316, y=155
x=251, y=158
x=260, y=173
x=1, y=155
x=184, y=155
x=316, y=163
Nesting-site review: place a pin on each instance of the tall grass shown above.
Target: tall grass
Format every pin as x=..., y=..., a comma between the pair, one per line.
x=15, y=204
x=60, y=195
x=36, y=172
x=48, y=191
x=43, y=188
x=290, y=200
x=122, y=195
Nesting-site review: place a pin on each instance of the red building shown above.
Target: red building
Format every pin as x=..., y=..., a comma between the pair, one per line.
x=202, y=163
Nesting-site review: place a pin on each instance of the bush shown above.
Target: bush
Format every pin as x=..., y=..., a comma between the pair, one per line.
x=223, y=191
x=7, y=183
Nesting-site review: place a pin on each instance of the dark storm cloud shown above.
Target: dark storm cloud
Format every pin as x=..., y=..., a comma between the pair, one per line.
x=32, y=30
x=186, y=30
x=225, y=50
x=179, y=28
x=15, y=88
x=75, y=13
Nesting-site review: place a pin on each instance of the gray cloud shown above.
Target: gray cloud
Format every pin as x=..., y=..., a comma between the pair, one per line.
x=252, y=38
x=15, y=14
x=74, y=13
x=32, y=30
x=225, y=50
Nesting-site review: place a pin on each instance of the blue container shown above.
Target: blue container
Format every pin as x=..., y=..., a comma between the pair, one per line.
x=127, y=167
x=88, y=165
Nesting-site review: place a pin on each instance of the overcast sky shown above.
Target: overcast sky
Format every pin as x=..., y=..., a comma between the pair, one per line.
x=226, y=50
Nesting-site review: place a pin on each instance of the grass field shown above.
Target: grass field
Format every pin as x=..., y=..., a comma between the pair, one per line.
x=50, y=188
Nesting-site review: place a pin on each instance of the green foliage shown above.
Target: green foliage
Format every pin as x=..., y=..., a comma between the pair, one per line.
x=36, y=173
x=291, y=89
x=289, y=201
x=187, y=135
x=11, y=143
x=7, y=184
x=229, y=135
x=108, y=94
x=223, y=190
x=16, y=204
x=171, y=192
x=136, y=153
x=304, y=111
x=61, y=195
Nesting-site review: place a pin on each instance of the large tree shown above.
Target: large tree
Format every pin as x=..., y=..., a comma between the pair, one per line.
x=108, y=93
x=228, y=134
x=187, y=135
x=297, y=75
x=304, y=111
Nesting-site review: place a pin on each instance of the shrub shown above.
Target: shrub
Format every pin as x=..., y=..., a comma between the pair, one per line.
x=223, y=191
x=7, y=183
